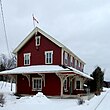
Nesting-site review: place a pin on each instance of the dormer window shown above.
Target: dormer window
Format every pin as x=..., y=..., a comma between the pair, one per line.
x=37, y=38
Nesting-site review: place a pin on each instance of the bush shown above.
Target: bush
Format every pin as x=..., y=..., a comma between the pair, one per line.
x=2, y=100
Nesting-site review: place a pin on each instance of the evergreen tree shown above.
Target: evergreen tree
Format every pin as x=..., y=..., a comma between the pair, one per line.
x=97, y=83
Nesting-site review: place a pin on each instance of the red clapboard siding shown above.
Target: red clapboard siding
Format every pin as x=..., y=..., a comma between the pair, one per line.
x=38, y=54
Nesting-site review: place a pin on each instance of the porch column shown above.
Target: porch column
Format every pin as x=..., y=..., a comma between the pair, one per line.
x=12, y=77
x=71, y=84
x=62, y=78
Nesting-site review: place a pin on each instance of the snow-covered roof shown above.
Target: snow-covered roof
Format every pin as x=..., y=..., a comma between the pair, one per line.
x=35, y=30
x=80, y=73
x=43, y=69
x=35, y=69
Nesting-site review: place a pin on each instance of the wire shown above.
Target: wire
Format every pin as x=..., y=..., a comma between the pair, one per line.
x=4, y=28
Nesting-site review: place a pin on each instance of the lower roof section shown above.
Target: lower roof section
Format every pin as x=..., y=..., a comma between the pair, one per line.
x=44, y=69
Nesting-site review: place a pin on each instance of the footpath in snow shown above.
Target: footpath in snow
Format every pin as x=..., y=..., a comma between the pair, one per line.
x=41, y=102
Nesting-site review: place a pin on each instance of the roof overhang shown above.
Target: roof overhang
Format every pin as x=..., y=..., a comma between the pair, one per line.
x=44, y=69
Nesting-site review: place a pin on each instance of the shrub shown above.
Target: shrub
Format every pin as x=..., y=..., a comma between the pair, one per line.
x=2, y=100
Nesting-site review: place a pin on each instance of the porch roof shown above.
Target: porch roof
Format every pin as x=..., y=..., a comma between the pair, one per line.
x=44, y=69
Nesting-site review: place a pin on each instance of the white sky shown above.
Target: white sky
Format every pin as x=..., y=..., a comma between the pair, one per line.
x=81, y=25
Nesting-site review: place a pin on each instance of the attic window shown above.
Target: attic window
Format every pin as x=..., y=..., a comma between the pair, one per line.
x=37, y=38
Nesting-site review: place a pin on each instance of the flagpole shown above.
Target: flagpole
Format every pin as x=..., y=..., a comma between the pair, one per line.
x=33, y=20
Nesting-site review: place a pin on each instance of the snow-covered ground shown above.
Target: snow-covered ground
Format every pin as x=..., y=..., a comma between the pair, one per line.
x=41, y=102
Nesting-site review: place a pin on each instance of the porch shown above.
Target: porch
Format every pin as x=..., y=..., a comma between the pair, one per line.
x=68, y=82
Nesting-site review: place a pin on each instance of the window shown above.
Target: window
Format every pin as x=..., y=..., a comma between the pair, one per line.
x=66, y=58
x=48, y=57
x=65, y=84
x=77, y=84
x=75, y=62
x=37, y=84
x=80, y=65
x=27, y=58
x=71, y=61
x=37, y=38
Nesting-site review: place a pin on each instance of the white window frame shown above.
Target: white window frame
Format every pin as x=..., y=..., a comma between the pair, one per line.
x=48, y=59
x=25, y=54
x=66, y=58
x=37, y=39
x=78, y=63
x=75, y=62
x=36, y=89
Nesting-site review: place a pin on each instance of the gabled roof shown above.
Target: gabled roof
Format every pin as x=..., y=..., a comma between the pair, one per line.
x=44, y=69
x=35, y=30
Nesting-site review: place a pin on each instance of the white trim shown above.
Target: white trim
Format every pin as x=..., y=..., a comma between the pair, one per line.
x=75, y=62
x=36, y=89
x=48, y=52
x=29, y=58
x=66, y=58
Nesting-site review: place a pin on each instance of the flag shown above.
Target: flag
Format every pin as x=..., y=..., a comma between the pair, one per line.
x=34, y=19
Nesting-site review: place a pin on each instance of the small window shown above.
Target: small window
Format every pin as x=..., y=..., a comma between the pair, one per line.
x=65, y=84
x=27, y=58
x=66, y=58
x=75, y=63
x=37, y=40
x=80, y=65
x=37, y=84
x=48, y=57
x=71, y=61
x=77, y=84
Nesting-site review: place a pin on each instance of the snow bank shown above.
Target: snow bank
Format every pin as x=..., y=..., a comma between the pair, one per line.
x=38, y=98
x=6, y=87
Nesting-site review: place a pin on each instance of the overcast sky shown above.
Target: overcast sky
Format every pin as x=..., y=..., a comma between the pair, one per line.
x=81, y=25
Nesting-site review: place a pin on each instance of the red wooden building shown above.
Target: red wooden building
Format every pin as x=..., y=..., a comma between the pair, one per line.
x=46, y=65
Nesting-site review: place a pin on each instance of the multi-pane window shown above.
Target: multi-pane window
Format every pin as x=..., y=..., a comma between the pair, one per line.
x=48, y=57
x=66, y=58
x=82, y=67
x=27, y=58
x=37, y=38
x=37, y=84
x=77, y=84
x=65, y=84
